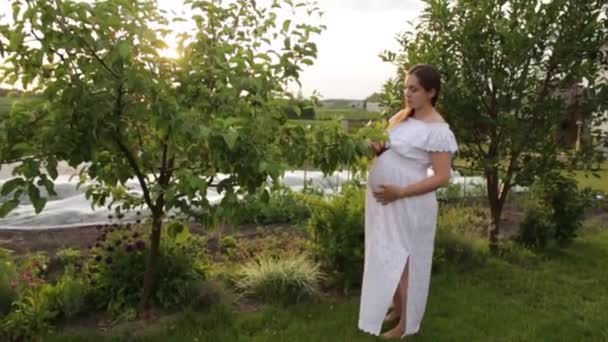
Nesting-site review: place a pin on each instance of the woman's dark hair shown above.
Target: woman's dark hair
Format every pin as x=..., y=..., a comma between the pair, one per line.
x=429, y=79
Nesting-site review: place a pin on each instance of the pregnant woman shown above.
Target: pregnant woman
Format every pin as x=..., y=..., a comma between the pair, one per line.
x=401, y=209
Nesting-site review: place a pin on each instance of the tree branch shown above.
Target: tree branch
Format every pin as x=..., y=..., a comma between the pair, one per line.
x=118, y=108
x=88, y=46
x=165, y=175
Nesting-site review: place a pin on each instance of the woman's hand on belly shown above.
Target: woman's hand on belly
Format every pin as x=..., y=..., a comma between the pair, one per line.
x=389, y=193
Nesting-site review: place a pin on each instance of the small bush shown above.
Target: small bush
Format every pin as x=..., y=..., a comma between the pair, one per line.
x=229, y=246
x=32, y=311
x=116, y=266
x=469, y=220
x=281, y=205
x=458, y=249
x=337, y=234
x=68, y=296
x=8, y=272
x=275, y=244
x=516, y=254
x=287, y=280
x=555, y=212
x=460, y=238
x=182, y=266
x=536, y=231
x=69, y=256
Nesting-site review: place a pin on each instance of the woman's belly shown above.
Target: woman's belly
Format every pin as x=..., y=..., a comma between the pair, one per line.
x=393, y=169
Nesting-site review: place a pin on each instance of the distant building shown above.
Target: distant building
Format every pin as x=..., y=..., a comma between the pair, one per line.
x=374, y=107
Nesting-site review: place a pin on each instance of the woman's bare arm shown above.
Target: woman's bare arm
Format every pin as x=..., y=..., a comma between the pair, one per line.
x=442, y=166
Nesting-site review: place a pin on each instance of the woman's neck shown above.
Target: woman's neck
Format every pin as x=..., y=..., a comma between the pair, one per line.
x=424, y=112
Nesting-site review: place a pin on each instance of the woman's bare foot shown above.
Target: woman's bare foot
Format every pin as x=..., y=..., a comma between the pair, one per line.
x=396, y=332
x=392, y=316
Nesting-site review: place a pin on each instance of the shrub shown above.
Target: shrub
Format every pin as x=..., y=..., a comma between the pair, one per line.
x=32, y=311
x=69, y=256
x=469, y=220
x=287, y=280
x=336, y=227
x=8, y=272
x=555, y=212
x=115, y=268
x=229, y=246
x=68, y=296
x=536, y=231
x=458, y=239
x=182, y=267
x=516, y=254
x=279, y=206
x=275, y=244
x=458, y=249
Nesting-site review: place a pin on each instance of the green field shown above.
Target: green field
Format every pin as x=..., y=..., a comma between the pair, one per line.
x=586, y=179
x=346, y=113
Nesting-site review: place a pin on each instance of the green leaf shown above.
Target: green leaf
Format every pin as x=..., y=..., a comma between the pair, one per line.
x=174, y=229
x=286, y=25
x=230, y=138
x=39, y=204
x=21, y=148
x=307, y=61
x=7, y=207
x=178, y=232
x=16, y=39
x=11, y=185
x=49, y=186
x=204, y=132
x=124, y=49
x=51, y=168
x=34, y=195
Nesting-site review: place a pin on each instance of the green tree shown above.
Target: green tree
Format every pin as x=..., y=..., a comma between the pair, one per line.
x=513, y=70
x=109, y=103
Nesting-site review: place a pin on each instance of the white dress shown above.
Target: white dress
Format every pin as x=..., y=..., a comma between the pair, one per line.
x=404, y=228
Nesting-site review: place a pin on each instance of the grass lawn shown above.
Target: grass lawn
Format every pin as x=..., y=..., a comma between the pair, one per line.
x=562, y=299
x=588, y=180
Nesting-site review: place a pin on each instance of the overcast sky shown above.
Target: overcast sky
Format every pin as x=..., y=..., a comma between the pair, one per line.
x=357, y=31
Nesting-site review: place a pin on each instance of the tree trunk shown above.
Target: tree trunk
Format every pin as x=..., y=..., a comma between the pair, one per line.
x=152, y=262
x=495, y=208
x=494, y=229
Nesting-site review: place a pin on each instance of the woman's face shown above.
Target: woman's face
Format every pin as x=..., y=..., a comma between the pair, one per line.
x=415, y=95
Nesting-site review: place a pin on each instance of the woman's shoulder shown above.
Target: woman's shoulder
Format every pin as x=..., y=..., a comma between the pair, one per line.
x=435, y=118
x=398, y=117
